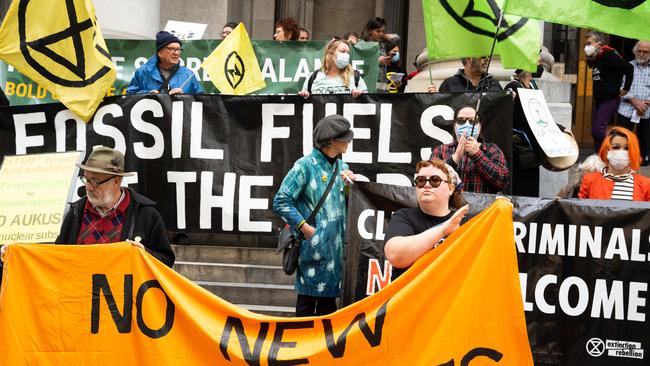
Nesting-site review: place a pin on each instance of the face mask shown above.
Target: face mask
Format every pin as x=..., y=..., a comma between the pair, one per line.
x=395, y=58
x=618, y=159
x=590, y=50
x=342, y=60
x=466, y=129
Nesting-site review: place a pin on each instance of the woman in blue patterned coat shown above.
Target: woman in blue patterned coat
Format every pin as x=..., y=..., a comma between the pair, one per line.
x=319, y=271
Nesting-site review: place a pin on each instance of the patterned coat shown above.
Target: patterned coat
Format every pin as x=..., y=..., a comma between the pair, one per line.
x=320, y=264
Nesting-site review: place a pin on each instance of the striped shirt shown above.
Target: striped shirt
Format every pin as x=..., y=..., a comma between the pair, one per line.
x=623, y=186
x=640, y=89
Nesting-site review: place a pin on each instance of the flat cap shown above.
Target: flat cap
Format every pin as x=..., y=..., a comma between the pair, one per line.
x=332, y=127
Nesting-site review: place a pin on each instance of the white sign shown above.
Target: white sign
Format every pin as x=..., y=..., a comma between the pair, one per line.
x=541, y=122
x=185, y=31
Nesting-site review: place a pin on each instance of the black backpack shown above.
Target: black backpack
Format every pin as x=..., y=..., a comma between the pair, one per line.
x=312, y=77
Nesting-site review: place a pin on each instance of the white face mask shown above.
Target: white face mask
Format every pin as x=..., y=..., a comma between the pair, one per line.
x=590, y=50
x=618, y=159
x=342, y=60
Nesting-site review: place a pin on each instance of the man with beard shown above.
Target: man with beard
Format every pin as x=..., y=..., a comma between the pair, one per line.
x=110, y=213
x=471, y=78
x=633, y=109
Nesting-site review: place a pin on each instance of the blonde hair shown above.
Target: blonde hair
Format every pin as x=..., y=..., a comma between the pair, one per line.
x=327, y=63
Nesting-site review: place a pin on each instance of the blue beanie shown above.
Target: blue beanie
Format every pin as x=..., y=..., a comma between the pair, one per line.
x=164, y=38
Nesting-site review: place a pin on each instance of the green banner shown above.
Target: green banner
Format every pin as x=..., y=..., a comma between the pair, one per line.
x=627, y=18
x=465, y=28
x=285, y=66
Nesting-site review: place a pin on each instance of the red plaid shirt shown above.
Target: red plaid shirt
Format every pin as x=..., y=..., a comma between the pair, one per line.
x=485, y=172
x=96, y=229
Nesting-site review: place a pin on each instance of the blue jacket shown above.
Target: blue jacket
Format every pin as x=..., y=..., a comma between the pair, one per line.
x=148, y=78
x=319, y=266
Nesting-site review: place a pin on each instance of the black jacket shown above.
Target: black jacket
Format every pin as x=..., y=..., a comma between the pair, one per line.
x=459, y=83
x=607, y=74
x=142, y=220
x=3, y=98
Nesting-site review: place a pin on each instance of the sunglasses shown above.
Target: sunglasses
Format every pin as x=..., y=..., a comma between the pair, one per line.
x=434, y=181
x=463, y=120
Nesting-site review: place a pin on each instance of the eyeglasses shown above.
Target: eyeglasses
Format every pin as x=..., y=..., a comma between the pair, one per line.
x=433, y=180
x=463, y=120
x=174, y=50
x=93, y=182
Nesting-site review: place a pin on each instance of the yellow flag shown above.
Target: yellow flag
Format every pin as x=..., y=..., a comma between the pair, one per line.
x=233, y=65
x=460, y=304
x=58, y=44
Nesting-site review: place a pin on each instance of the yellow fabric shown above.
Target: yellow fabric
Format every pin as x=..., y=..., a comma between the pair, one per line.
x=460, y=297
x=62, y=49
x=233, y=66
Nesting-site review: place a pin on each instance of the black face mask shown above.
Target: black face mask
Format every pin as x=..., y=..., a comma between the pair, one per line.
x=539, y=72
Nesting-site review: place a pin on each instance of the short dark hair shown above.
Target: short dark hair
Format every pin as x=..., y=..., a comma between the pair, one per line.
x=290, y=26
x=232, y=25
x=374, y=23
x=347, y=35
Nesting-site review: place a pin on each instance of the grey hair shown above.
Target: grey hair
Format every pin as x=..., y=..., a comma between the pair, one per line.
x=591, y=164
x=636, y=45
x=597, y=36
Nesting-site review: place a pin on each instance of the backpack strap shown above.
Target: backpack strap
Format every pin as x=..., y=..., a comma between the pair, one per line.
x=312, y=77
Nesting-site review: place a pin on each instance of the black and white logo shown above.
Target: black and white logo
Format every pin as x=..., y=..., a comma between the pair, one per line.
x=595, y=347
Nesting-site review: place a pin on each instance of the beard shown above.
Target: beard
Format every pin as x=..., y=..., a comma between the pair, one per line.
x=98, y=200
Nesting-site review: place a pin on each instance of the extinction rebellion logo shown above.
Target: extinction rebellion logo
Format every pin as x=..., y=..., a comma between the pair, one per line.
x=596, y=347
x=42, y=45
x=481, y=11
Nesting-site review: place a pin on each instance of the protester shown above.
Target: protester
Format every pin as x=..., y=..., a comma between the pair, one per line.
x=374, y=31
x=109, y=213
x=608, y=71
x=527, y=154
x=319, y=271
x=395, y=73
x=162, y=73
x=619, y=179
x=3, y=98
x=304, y=34
x=471, y=78
x=414, y=231
x=227, y=29
x=336, y=75
x=591, y=164
x=286, y=30
x=351, y=37
x=636, y=102
x=482, y=166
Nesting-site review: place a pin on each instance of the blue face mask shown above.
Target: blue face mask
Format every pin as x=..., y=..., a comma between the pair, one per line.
x=342, y=60
x=466, y=129
x=395, y=58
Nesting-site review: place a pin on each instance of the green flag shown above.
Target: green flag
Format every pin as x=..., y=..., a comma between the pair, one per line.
x=627, y=18
x=465, y=28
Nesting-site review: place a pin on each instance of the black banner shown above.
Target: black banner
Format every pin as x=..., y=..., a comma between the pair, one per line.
x=213, y=163
x=584, y=270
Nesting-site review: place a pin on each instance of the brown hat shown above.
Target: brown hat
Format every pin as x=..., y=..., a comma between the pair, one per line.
x=105, y=160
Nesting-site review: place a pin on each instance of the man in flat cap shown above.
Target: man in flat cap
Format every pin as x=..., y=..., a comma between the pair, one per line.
x=162, y=73
x=318, y=279
x=110, y=213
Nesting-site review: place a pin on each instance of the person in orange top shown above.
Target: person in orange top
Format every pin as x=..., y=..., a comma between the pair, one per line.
x=618, y=180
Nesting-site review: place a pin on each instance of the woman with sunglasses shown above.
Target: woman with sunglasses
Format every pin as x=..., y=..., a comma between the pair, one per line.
x=618, y=180
x=414, y=231
x=481, y=165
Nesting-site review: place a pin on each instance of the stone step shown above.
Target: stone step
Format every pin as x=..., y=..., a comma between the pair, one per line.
x=252, y=293
x=226, y=272
x=219, y=254
x=281, y=311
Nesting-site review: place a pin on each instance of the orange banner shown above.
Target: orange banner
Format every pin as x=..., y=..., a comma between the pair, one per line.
x=114, y=304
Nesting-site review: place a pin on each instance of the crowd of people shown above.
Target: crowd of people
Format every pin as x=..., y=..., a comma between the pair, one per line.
x=110, y=213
